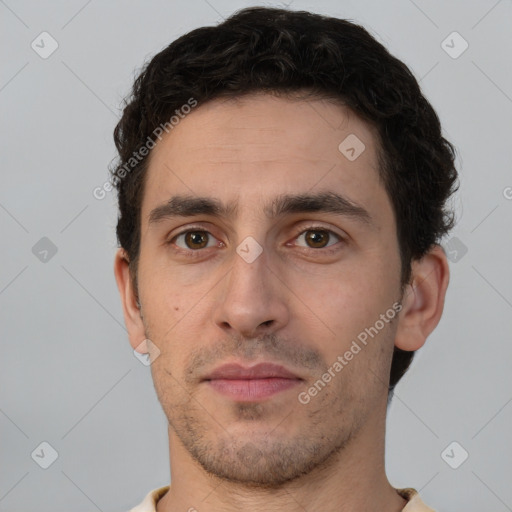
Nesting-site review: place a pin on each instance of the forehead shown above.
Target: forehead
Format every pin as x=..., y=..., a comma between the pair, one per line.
x=260, y=145
x=296, y=128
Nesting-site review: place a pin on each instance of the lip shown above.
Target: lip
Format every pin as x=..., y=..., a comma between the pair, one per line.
x=258, y=371
x=250, y=384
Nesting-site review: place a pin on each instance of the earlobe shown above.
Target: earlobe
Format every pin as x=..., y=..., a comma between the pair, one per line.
x=423, y=300
x=129, y=300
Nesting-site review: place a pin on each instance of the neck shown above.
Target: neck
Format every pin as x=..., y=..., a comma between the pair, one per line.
x=352, y=480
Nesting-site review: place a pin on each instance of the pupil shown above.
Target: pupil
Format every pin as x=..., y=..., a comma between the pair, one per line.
x=197, y=239
x=317, y=238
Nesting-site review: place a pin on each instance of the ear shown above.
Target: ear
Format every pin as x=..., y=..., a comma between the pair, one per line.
x=131, y=311
x=423, y=300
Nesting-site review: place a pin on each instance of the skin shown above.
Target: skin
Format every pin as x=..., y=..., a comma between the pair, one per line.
x=297, y=305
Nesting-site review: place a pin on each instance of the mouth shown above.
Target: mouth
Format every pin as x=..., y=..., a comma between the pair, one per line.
x=251, y=384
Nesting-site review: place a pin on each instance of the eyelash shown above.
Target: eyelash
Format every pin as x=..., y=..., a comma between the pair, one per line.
x=197, y=252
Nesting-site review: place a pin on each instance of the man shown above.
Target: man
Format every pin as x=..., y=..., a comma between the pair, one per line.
x=282, y=186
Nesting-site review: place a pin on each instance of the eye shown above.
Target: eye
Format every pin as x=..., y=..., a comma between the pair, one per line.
x=317, y=238
x=194, y=240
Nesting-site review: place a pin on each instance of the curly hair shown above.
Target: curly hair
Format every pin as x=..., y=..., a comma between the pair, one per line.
x=284, y=52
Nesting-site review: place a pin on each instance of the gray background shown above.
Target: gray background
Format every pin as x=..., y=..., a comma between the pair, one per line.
x=68, y=375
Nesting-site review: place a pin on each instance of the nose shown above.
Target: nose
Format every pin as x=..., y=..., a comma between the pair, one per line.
x=252, y=300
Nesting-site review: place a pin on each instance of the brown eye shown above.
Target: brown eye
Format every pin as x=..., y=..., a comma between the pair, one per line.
x=196, y=239
x=318, y=238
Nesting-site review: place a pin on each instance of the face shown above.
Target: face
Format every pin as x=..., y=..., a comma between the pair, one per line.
x=265, y=248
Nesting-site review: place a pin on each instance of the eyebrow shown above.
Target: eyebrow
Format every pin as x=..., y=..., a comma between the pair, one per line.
x=326, y=202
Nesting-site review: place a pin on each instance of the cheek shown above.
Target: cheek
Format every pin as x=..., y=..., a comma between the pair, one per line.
x=175, y=318
x=344, y=305
x=167, y=292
